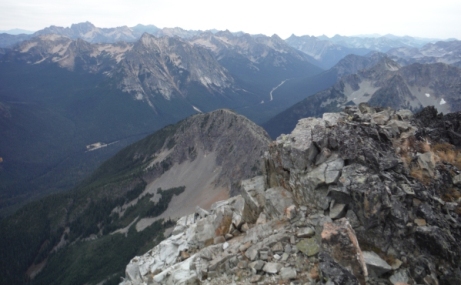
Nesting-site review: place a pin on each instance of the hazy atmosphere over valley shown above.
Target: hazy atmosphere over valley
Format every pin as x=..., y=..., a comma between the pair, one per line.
x=347, y=18
x=243, y=142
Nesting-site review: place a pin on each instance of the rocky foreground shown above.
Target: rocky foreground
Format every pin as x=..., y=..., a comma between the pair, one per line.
x=367, y=196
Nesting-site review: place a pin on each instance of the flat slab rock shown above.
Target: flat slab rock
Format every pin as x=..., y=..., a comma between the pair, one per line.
x=272, y=267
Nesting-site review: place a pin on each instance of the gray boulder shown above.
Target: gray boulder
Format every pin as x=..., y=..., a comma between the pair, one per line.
x=278, y=200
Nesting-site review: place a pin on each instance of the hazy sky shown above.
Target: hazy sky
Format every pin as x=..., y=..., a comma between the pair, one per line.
x=437, y=19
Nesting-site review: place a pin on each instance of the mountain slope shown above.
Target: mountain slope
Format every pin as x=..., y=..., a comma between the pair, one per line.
x=51, y=116
x=386, y=84
x=258, y=64
x=328, y=51
x=302, y=88
x=122, y=198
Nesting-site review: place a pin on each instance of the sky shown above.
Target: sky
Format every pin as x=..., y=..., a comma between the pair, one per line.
x=430, y=19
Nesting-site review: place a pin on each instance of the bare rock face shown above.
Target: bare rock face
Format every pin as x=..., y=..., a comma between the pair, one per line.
x=158, y=66
x=334, y=188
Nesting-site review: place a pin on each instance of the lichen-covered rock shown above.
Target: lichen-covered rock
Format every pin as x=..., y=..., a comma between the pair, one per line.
x=308, y=246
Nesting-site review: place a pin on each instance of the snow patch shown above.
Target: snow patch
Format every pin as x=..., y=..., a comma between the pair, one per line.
x=428, y=95
x=98, y=145
x=95, y=146
x=197, y=109
x=205, y=81
x=138, y=96
x=40, y=61
x=56, y=59
x=442, y=101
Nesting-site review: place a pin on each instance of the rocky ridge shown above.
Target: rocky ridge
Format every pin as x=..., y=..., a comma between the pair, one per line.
x=255, y=48
x=366, y=196
x=444, y=52
x=151, y=66
x=90, y=33
x=324, y=51
x=328, y=51
x=382, y=43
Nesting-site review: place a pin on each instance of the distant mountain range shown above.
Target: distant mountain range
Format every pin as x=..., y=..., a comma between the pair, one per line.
x=121, y=131
x=69, y=93
x=378, y=81
x=90, y=33
x=328, y=51
x=16, y=32
x=448, y=52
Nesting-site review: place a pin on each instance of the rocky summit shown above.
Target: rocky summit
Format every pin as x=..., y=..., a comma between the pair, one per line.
x=365, y=196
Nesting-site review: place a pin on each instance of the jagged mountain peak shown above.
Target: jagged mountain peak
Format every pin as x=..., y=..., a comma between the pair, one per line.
x=145, y=28
x=83, y=27
x=148, y=40
x=169, y=64
x=255, y=48
x=276, y=37
x=385, y=64
x=352, y=63
x=223, y=138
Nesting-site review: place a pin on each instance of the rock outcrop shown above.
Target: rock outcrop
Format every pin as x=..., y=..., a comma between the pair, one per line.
x=343, y=200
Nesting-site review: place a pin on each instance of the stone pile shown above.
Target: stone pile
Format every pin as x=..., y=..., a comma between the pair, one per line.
x=336, y=205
